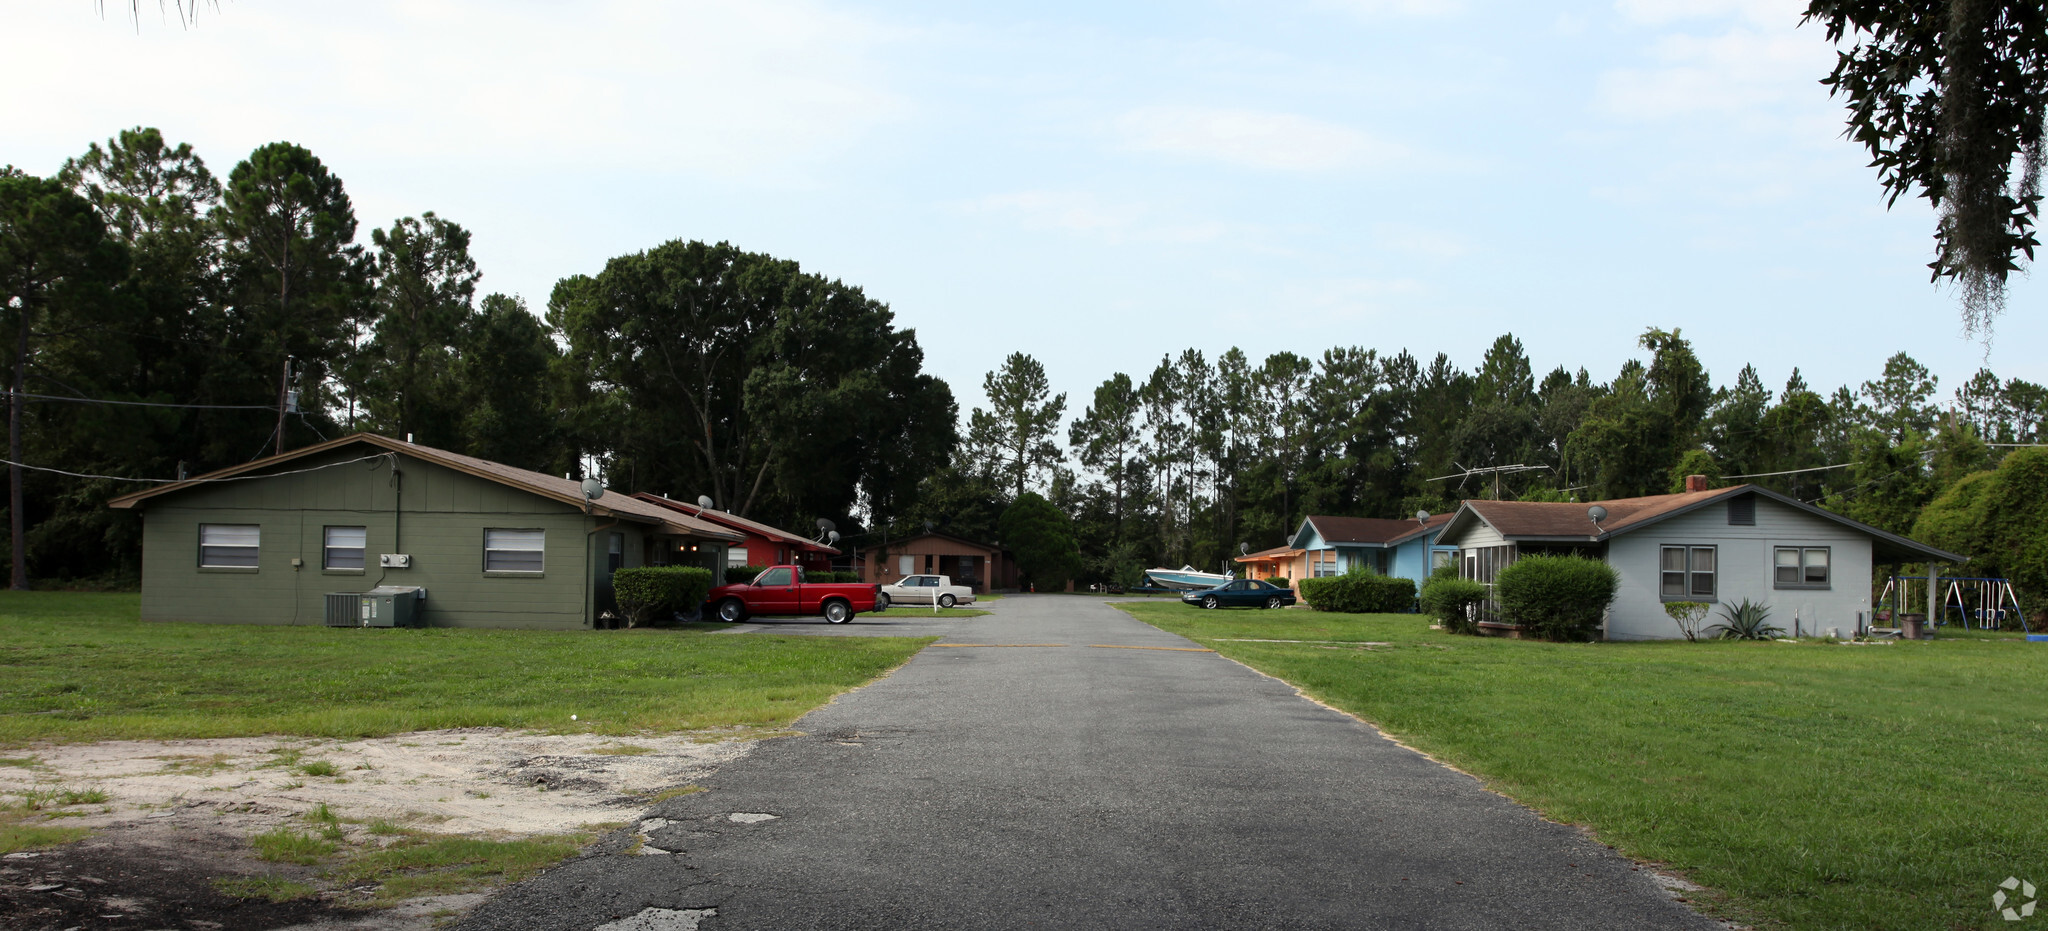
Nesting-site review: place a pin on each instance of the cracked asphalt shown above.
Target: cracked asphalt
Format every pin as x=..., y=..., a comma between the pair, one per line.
x=1057, y=777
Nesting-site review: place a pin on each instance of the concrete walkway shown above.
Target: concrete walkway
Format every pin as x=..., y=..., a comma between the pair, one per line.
x=1060, y=765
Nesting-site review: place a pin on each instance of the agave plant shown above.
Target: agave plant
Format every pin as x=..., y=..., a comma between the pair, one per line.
x=1745, y=620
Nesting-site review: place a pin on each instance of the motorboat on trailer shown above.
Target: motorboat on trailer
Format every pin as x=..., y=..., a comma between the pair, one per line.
x=1185, y=579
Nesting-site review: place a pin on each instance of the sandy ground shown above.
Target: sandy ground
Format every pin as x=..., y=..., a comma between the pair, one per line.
x=179, y=813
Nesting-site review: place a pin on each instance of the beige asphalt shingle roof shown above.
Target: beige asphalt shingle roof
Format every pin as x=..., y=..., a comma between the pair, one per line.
x=730, y=519
x=1568, y=518
x=567, y=491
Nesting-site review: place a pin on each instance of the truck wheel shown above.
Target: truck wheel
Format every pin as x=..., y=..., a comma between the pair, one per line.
x=947, y=600
x=838, y=612
x=732, y=610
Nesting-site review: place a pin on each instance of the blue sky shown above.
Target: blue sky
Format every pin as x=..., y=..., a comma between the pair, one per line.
x=1096, y=184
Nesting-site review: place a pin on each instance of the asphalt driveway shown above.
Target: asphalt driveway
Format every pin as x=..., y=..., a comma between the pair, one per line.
x=1059, y=764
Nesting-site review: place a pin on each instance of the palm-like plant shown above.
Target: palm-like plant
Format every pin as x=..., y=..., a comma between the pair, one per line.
x=1745, y=620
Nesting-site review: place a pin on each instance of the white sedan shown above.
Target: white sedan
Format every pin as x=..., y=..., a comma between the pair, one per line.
x=926, y=589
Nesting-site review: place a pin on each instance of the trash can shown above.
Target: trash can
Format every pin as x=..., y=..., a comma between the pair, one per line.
x=1913, y=626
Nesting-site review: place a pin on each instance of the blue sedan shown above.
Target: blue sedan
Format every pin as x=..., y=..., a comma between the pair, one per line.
x=1241, y=593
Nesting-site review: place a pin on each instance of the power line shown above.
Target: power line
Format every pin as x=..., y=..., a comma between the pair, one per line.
x=210, y=407
x=176, y=481
x=1842, y=465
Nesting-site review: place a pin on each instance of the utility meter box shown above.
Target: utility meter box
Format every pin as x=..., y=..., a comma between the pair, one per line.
x=390, y=606
x=394, y=560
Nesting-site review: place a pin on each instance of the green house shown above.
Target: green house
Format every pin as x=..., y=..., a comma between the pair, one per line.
x=472, y=543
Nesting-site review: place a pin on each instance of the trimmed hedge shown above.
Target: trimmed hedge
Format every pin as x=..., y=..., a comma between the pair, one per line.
x=655, y=593
x=1558, y=597
x=1280, y=580
x=741, y=575
x=1449, y=600
x=1359, y=592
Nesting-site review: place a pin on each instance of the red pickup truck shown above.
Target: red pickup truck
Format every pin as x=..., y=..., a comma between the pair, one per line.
x=782, y=590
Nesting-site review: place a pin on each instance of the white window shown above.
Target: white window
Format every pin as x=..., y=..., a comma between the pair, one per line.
x=1801, y=567
x=736, y=556
x=906, y=565
x=1442, y=558
x=229, y=546
x=344, y=547
x=515, y=550
x=1687, y=573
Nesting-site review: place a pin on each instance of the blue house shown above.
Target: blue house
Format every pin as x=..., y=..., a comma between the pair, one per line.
x=1404, y=548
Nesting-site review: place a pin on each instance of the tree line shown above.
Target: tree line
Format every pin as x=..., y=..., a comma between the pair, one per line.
x=1199, y=459
x=161, y=322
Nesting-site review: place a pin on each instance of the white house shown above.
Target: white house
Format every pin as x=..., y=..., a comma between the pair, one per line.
x=1719, y=546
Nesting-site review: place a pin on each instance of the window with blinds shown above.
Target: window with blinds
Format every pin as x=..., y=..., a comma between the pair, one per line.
x=343, y=547
x=515, y=550
x=229, y=546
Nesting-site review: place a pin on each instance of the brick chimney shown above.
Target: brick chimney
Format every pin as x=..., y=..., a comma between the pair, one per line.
x=1695, y=483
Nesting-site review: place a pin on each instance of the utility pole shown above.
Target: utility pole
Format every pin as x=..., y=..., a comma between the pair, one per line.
x=283, y=385
x=17, y=539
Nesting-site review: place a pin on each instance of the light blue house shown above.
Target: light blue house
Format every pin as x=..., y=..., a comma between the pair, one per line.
x=1404, y=548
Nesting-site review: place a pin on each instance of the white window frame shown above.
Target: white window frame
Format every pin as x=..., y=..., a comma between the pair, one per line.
x=501, y=540
x=1803, y=564
x=219, y=547
x=329, y=549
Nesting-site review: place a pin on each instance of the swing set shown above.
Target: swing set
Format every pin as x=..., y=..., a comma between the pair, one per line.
x=1985, y=604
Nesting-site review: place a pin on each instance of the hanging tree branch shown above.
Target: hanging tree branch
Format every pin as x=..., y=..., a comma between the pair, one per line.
x=1950, y=97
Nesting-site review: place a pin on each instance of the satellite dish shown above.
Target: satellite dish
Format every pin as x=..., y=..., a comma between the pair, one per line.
x=1597, y=514
x=826, y=526
x=927, y=526
x=704, y=501
x=832, y=536
x=593, y=489
x=1422, y=515
x=1244, y=549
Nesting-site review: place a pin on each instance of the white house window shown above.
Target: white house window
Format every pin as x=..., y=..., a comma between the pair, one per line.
x=1442, y=558
x=1687, y=573
x=1801, y=567
x=736, y=556
x=344, y=547
x=515, y=550
x=229, y=546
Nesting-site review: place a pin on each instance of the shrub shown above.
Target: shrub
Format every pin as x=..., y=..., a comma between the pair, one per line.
x=1450, y=600
x=1359, y=592
x=655, y=593
x=1746, y=620
x=1557, y=597
x=1688, y=615
x=1280, y=580
x=741, y=575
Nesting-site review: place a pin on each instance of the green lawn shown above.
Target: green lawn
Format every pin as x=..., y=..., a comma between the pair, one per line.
x=1813, y=785
x=81, y=666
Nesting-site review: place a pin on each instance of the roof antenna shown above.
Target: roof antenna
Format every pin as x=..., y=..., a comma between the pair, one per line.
x=1422, y=516
x=1596, y=514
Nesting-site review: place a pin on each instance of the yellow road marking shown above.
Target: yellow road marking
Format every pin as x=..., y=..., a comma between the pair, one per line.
x=998, y=644
x=1116, y=646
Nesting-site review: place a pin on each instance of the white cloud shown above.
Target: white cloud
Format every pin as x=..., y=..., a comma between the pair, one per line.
x=731, y=90
x=1088, y=215
x=1378, y=9
x=1772, y=13
x=1252, y=138
x=1738, y=71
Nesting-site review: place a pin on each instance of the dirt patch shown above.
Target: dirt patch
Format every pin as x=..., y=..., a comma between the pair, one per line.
x=171, y=835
